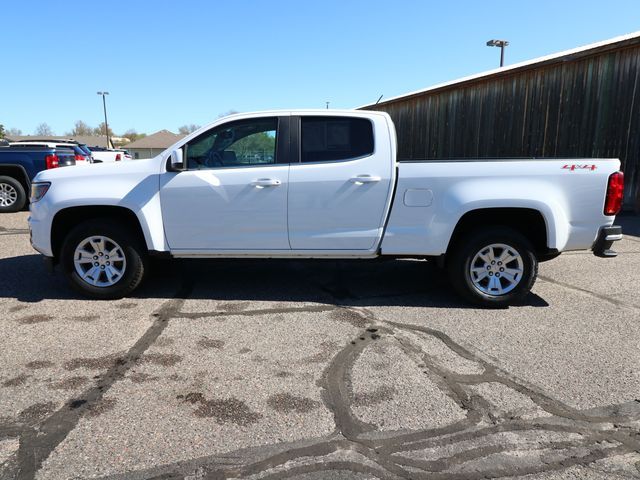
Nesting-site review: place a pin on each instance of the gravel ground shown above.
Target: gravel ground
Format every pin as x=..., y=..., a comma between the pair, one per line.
x=315, y=370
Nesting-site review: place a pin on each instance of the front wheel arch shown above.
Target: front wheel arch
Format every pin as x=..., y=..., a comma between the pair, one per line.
x=133, y=265
x=68, y=218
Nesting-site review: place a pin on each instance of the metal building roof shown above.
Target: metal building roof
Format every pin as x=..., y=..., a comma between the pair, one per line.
x=566, y=55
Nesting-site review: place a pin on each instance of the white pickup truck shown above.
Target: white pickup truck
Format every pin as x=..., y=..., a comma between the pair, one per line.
x=322, y=184
x=101, y=155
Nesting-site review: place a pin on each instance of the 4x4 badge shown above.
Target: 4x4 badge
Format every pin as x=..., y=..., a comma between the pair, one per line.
x=579, y=167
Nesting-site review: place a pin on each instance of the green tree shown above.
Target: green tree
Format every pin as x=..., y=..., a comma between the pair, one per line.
x=258, y=147
x=43, y=130
x=1, y=131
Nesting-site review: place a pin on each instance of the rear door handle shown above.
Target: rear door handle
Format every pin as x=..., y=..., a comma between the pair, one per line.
x=266, y=182
x=361, y=179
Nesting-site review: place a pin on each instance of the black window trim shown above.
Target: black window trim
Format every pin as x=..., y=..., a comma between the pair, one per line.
x=282, y=151
x=297, y=146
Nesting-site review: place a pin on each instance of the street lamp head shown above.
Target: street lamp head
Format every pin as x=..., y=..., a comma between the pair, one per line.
x=103, y=93
x=497, y=43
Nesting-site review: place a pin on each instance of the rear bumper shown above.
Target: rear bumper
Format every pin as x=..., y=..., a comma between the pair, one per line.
x=606, y=237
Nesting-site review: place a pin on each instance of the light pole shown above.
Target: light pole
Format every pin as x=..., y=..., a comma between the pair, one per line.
x=327, y=103
x=104, y=105
x=501, y=44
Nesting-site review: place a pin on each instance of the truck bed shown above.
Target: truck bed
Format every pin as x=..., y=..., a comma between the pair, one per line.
x=432, y=195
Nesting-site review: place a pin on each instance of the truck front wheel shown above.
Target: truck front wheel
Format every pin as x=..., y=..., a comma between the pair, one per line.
x=493, y=267
x=102, y=260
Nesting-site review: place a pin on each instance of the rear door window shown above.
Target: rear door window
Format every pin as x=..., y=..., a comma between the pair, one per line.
x=329, y=139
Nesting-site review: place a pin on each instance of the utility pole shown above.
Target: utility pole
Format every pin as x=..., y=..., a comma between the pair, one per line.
x=499, y=43
x=104, y=106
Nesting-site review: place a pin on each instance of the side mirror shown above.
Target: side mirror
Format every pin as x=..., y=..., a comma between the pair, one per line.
x=176, y=161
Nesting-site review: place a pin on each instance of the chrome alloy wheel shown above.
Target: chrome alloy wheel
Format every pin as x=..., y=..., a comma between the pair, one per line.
x=8, y=195
x=496, y=269
x=99, y=261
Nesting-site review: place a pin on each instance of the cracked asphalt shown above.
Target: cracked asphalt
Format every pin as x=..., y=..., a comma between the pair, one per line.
x=313, y=370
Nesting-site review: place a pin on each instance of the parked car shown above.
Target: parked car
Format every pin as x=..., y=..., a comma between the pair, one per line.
x=333, y=189
x=82, y=152
x=19, y=165
x=101, y=154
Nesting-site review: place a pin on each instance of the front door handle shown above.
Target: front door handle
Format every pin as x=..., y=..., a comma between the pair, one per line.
x=266, y=182
x=361, y=179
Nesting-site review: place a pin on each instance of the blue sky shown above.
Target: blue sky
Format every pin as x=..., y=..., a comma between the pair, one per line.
x=170, y=63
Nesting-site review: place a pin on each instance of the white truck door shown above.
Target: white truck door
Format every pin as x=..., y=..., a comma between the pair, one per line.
x=233, y=194
x=340, y=186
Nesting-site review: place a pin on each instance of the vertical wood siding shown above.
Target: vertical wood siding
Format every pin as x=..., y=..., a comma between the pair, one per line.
x=585, y=107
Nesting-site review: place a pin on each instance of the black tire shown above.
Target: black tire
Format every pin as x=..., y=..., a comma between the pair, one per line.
x=134, y=253
x=464, y=252
x=7, y=185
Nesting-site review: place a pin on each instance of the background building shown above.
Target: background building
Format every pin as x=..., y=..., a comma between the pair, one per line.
x=152, y=145
x=579, y=103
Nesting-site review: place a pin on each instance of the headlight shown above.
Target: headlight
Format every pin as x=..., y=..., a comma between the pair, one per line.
x=38, y=190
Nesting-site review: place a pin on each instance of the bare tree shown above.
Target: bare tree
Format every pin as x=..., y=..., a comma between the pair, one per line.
x=226, y=114
x=81, y=129
x=187, y=129
x=43, y=130
x=14, y=131
x=132, y=135
x=99, y=130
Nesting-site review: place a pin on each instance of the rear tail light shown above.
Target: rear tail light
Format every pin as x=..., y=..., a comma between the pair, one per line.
x=51, y=161
x=80, y=158
x=118, y=157
x=615, y=194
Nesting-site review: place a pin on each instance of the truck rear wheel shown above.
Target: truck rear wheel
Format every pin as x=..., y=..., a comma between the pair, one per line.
x=493, y=267
x=102, y=260
x=12, y=195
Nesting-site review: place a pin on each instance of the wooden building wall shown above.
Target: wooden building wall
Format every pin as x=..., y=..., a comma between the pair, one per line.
x=581, y=106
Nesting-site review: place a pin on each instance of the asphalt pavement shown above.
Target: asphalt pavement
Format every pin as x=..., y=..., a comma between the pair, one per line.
x=268, y=369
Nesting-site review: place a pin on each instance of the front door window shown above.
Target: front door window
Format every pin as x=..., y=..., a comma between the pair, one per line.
x=238, y=144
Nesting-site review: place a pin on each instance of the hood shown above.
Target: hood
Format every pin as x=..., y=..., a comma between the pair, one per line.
x=96, y=170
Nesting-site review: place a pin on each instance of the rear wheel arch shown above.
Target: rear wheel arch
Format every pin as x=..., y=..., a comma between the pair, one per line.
x=529, y=222
x=67, y=219
x=13, y=196
x=493, y=267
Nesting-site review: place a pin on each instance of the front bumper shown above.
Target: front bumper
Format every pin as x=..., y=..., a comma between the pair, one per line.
x=40, y=228
x=606, y=237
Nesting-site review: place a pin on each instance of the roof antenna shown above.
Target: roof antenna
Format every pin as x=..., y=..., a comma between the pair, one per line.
x=379, y=98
